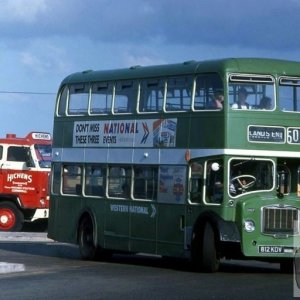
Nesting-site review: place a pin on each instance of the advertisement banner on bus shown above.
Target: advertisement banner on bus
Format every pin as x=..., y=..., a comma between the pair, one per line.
x=125, y=133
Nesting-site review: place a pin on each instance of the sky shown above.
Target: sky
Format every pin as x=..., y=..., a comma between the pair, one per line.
x=43, y=41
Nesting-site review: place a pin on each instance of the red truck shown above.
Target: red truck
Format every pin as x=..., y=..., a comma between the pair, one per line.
x=24, y=179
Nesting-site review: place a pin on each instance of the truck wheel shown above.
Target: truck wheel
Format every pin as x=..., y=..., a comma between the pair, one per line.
x=11, y=218
x=87, y=247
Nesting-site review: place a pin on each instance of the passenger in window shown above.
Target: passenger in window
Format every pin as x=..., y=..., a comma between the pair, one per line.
x=242, y=97
x=265, y=103
x=217, y=102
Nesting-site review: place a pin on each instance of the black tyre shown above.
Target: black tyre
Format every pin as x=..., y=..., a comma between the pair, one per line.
x=11, y=218
x=86, y=243
x=210, y=259
x=287, y=266
x=87, y=248
x=204, y=253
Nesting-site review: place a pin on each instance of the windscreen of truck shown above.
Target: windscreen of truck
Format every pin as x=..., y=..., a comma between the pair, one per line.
x=44, y=155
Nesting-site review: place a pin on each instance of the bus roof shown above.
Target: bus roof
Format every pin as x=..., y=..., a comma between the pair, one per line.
x=247, y=65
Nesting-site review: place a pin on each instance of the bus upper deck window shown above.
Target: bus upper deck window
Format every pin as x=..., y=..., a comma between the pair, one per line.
x=179, y=94
x=256, y=92
x=101, y=98
x=289, y=94
x=207, y=86
x=78, y=99
x=125, y=97
x=62, y=103
x=151, y=95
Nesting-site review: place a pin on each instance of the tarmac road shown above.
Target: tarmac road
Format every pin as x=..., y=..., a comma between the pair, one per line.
x=35, y=267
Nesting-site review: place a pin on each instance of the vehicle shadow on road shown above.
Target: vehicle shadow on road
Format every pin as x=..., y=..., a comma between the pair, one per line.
x=186, y=266
x=67, y=251
x=51, y=249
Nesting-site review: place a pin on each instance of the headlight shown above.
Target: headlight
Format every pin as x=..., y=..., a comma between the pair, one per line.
x=249, y=225
x=42, y=202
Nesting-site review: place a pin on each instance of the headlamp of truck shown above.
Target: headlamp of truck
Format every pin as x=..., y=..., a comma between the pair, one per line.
x=249, y=225
x=42, y=202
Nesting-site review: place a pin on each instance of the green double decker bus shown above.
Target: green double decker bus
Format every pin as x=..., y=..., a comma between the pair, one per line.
x=199, y=160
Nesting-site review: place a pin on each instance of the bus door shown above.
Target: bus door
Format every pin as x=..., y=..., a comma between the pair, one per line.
x=143, y=209
x=206, y=191
x=171, y=210
x=214, y=187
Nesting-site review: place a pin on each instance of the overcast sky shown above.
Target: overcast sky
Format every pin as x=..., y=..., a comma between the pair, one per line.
x=42, y=41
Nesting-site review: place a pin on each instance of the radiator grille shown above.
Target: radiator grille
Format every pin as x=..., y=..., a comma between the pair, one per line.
x=280, y=220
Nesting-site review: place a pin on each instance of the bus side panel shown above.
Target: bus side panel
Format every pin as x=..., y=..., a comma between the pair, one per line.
x=116, y=227
x=210, y=133
x=170, y=229
x=143, y=216
x=60, y=227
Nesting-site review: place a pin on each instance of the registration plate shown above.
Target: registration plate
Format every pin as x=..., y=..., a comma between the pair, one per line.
x=275, y=249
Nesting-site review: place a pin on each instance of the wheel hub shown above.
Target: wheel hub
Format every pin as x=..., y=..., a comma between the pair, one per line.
x=4, y=219
x=7, y=219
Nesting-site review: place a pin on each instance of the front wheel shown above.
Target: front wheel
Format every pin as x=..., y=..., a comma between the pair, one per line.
x=287, y=266
x=205, y=256
x=210, y=259
x=11, y=218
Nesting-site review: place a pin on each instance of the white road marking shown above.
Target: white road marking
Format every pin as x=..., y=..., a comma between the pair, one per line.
x=24, y=237
x=11, y=268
